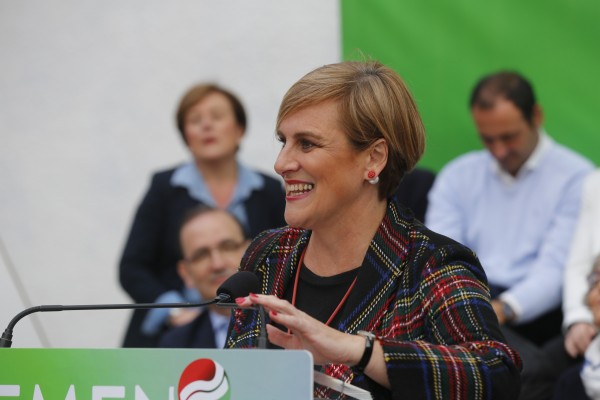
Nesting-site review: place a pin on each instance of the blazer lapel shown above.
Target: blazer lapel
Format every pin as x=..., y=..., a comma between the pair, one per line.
x=377, y=280
x=286, y=259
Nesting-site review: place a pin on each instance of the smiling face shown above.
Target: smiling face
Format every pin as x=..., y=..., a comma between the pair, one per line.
x=211, y=130
x=324, y=175
x=212, y=244
x=506, y=134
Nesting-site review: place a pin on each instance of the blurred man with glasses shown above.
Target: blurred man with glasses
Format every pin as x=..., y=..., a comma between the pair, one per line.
x=212, y=243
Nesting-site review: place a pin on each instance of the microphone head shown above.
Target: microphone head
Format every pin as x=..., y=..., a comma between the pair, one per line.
x=240, y=284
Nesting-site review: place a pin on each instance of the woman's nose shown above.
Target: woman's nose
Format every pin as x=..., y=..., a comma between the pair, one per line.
x=285, y=162
x=206, y=124
x=499, y=150
x=217, y=260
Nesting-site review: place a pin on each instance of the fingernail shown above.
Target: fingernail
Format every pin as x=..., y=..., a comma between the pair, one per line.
x=253, y=296
x=274, y=313
x=240, y=300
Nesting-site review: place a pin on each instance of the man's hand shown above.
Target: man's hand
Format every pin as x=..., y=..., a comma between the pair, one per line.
x=578, y=338
x=182, y=316
x=498, y=307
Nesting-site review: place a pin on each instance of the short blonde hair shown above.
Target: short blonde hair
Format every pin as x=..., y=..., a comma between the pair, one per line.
x=374, y=103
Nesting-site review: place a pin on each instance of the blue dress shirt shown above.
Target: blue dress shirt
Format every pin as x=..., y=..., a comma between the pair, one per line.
x=520, y=227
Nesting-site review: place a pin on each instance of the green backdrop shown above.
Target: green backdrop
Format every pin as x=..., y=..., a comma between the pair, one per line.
x=441, y=48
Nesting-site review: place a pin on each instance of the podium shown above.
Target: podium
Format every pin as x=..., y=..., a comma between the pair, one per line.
x=155, y=374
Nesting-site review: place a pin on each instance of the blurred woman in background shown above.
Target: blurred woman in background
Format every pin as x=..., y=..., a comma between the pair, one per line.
x=212, y=122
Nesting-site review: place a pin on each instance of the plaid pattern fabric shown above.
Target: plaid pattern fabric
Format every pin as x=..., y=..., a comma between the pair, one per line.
x=426, y=297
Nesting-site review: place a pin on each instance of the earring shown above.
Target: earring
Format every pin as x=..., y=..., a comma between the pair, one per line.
x=373, y=180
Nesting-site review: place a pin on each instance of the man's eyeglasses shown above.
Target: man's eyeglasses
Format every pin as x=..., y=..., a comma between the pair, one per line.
x=203, y=255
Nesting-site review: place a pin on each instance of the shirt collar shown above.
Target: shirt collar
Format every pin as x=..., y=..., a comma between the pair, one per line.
x=541, y=148
x=220, y=324
x=218, y=321
x=189, y=177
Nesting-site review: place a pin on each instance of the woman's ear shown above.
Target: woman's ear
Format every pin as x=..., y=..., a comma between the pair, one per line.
x=377, y=156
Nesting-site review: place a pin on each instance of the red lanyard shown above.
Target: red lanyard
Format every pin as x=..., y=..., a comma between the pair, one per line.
x=339, y=306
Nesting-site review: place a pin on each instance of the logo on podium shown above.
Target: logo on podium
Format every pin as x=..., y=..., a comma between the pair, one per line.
x=204, y=379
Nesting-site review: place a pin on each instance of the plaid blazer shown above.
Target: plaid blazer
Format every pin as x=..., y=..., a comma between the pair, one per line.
x=423, y=294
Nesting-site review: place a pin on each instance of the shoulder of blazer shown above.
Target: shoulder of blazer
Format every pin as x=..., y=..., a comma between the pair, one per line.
x=273, y=242
x=162, y=187
x=266, y=206
x=272, y=186
x=162, y=178
x=270, y=179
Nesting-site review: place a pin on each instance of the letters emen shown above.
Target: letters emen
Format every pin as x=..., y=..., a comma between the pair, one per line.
x=98, y=392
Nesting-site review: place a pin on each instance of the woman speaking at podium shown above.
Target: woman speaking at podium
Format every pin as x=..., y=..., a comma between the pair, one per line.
x=379, y=300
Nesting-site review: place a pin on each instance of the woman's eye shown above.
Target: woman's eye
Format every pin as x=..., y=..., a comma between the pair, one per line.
x=306, y=144
x=281, y=140
x=216, y=116
x=194, y=120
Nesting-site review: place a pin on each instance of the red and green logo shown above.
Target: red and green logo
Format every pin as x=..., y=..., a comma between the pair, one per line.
x=204, y=379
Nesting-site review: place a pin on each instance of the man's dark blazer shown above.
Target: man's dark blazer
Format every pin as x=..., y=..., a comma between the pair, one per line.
x=413, y=190
x=198, y=334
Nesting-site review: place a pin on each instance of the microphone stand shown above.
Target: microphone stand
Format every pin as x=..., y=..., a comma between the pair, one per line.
x=262, y=335
x=6, y=339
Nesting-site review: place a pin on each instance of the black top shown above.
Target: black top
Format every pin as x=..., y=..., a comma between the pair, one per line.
x=319, y=296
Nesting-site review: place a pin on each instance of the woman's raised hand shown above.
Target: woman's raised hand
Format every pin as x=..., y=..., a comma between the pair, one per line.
x=326, y=344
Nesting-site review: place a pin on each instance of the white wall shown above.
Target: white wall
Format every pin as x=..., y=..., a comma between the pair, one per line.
x=87, y=94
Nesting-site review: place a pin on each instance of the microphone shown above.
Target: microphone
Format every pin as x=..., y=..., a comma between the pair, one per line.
x=244, y=282
x=239, y=284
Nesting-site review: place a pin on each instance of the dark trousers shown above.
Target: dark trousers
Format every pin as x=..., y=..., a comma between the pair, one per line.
x=542, y=365
x=570, y=385
x=541, y=347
